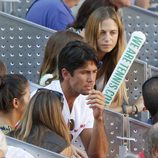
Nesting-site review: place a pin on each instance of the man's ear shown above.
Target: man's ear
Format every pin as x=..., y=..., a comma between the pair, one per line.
x=16, y=103
x=65, y=74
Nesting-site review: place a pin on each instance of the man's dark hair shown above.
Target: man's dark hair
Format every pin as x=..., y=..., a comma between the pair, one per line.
x=75, y=55
x=150, y=95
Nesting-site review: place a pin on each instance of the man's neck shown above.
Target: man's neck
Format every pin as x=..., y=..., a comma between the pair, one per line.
x=70, y=95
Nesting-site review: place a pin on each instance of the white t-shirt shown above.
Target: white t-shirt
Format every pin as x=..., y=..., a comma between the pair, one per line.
x=3, y=143
x=81, y=113
x=16, y=152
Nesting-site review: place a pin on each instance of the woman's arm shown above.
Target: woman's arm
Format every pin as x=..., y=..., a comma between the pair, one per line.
x=121, y=3
x=143, y=3
x=67, y=151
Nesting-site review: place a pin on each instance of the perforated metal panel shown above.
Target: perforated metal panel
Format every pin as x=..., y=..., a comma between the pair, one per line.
x=34, y=150
x=22, y=45
x=138, y=19
x=134, y=80
x=18, y=9
x=114, y=127
x=134, y=130
x=21, y=8
x=153, y=71
x=137, y=131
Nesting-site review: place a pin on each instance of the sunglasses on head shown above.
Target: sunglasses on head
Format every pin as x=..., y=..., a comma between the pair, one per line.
x=58, y=94
x=71, y=122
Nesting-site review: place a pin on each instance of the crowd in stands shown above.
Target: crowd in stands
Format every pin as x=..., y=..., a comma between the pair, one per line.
x=78, y=61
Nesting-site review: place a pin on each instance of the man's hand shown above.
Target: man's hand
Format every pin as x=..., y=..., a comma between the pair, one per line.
x=96, y=100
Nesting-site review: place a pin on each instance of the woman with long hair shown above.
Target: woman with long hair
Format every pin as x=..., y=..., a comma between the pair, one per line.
x=104, y=31
x=43, y=124
x=56, y=42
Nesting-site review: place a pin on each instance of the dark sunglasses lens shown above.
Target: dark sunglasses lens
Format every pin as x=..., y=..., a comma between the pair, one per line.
x=58, y=94
x=71, y=124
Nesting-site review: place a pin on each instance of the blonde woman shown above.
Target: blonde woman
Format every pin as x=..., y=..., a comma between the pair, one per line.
x=105, y=33
x=43, y=124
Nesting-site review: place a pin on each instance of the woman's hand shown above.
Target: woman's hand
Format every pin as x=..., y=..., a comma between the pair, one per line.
x=77, y=153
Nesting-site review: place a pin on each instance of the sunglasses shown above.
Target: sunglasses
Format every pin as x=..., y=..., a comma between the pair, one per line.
x=71, y=124
x=58, y=94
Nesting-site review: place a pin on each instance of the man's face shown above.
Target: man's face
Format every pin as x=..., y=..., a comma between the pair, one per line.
x=108, y=36
x=83, y=79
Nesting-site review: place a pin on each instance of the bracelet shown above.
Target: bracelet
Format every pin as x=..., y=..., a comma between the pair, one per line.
x=124, y=109
x=134, y=109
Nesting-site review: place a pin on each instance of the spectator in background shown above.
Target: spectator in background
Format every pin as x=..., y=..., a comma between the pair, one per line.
x=56, y=42
x=83, y=106
x=151, y=142
x=3, y=68
x=43, y=124
x=88, y=6
x=54, y=14
x=14, y=97
x=150, y=97
x=104, y=31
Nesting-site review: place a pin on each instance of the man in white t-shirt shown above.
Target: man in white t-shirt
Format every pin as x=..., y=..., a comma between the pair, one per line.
x=3, y=145
x=83, y=106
